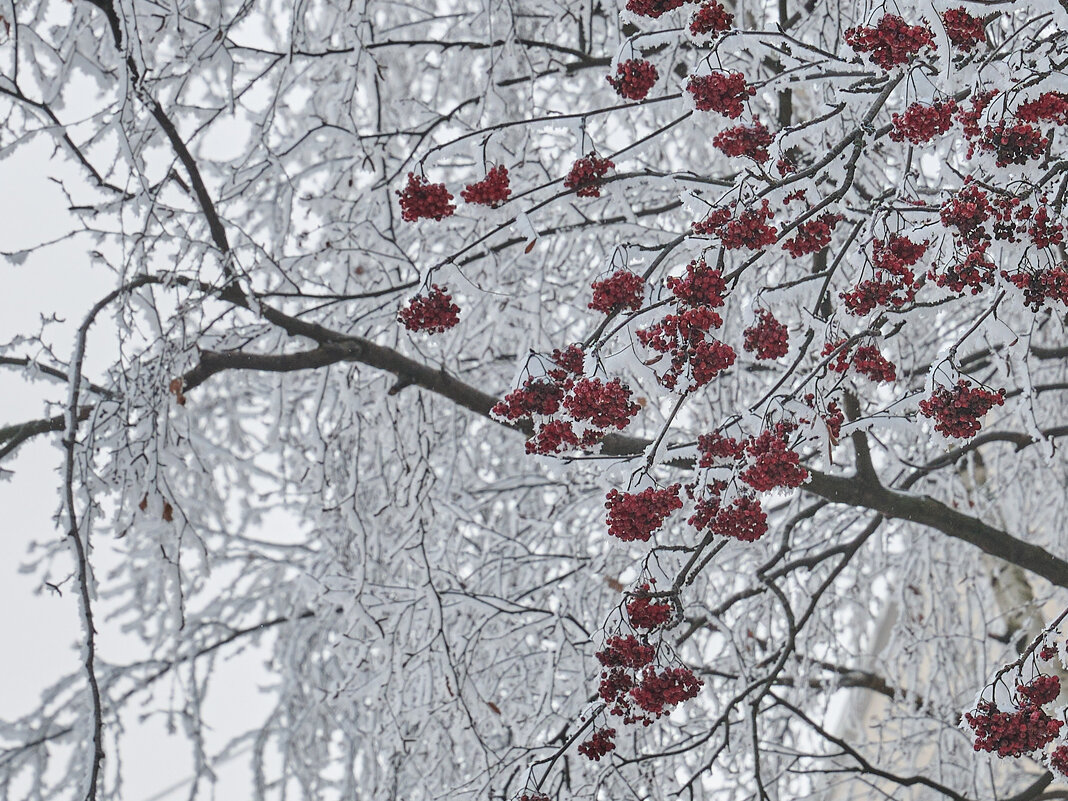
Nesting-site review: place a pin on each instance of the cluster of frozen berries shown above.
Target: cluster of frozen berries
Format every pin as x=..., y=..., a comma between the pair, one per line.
x=965, y=31
x=1047, y=107
x=974, y=271
x=634, y=688
x=749, y=229
x=813, y=235
x=893, y=284
x=891, y=42
x=587, y=174
x=742, y=519
x=653, y=8
x=1041, y=285
x=865, y=359
x=767, y=338
x=685, y=335
x=764, y=462
x=621, y=290
x=966, y=211
x=772, y=463
x=1023, y=730
x=750, y=141
x=710, y=19
x=920, y=124
x=491, y=190
x=634, y=78
x=433, y=312
x=722, y=92
x=592, y=405
x=635, y=516
x=644, y=612
x=1015, y=143
x=956, y=410
x=422, y=200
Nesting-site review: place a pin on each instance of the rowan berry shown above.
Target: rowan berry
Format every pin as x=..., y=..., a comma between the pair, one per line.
x=421, y=199
x=723, y=92
x=433, y=312
x=492, y=190
x=634, y=78
x=957, y=409
x=750, y=141
x=767, y=338
x=587, y=174
x=964, y=30
x=891, y=42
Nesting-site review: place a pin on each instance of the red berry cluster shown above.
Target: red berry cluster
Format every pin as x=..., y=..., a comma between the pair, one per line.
x=603, y=404
x=492, y=190
x=957, y=409
x=1050, y=106
x=749, y=230
x=534, y=797
x=433, y=312
x=1040, y=690
x=658, y=693
x=1049, y=650
x=920, y=124
x=645, y=613
x=750, y=141
x=599, y=744
x=536, y=396
x=743, y=520
x=628, y=652
x=1015, y=733
x=966, y=211
x=891, y=42
x=1009, y=218
x=569, y=360
x=965, y=31
x=621, y=290
x=893, y=283
x=974, y=271
x=557, y=436
x=701, y=286
x=421, y=199
x=715, y=448
x=1013, y=144
x=1050, y=284
x=812, y=235
x=634, y=78
x=1058, y=760
x=969, y=117
x=586, y=175
x=635, y=516
x=723, y=92
x=772, y=463
x=1043, y=231
x=597, y=403
x=833, y=420
x=653, y=8
x=767, y=338
x=685, y=336
x=710, y=18
x=866, y=360
x=630, y=679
